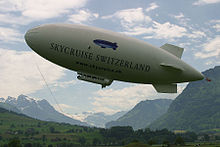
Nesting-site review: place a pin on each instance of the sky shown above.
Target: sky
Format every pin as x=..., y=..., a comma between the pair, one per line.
x=192, y=24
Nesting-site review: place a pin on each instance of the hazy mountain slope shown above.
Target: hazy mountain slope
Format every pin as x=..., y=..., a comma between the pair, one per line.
x=100, y=119
x=9, y=107
x=197, y=108
x=142, y=114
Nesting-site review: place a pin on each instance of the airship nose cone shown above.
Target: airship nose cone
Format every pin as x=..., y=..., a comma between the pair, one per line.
x=191, y=74
x=31, y=37
x=27, y=37
x=200, y=76
x=196, y=75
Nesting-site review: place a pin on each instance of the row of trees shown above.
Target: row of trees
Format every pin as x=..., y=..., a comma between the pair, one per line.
x=15, y=142
x=120, y=136
x=124, y=135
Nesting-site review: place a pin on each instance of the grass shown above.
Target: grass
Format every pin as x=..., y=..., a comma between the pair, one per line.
x=35, y=131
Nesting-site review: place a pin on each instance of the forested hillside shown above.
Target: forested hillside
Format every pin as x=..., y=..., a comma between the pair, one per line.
x=197, y=108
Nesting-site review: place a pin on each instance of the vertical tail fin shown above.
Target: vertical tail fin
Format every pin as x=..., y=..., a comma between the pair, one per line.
x=175, y=50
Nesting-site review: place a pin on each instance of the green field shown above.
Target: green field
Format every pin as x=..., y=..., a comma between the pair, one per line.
x=20, y=129
x=199, y=144
x=36, y=131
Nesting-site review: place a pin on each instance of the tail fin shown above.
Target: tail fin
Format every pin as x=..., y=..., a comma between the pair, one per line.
x=166, y=88
x=175, y=50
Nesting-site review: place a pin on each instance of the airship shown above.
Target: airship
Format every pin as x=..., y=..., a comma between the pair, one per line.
x=105, y=44
x=101, y=56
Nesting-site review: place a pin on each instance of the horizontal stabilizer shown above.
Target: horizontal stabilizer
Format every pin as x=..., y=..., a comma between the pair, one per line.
x=166, y=88
x=171, y=67
x=175, y=50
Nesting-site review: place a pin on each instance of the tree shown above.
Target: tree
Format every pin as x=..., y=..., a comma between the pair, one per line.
x=179, y=141
x=30, y=131
x=82, y=140
x=166, y=143
x=12, y=126
x=120, y=132
x=206, y=137
x=38, y=124
x=44, y=138
x=134, y=141
x=15, y=142
x=52, y=129
x=217, y=137
x=151, y=142
x=28, y=145
x=95, y=141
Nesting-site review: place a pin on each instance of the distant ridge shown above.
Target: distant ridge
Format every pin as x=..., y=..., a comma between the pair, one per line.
x=197, y=108
x=142, y=114
x=100, y=119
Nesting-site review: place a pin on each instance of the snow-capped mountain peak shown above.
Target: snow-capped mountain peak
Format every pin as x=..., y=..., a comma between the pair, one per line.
x=2, y=100
x=26, y=98
x=11, y=100
x=40, y=109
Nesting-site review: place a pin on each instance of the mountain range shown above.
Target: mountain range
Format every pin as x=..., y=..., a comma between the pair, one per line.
x=42, y=110
x=38, y=109
x=197, y=108
x=142, y=114
x=100, y=119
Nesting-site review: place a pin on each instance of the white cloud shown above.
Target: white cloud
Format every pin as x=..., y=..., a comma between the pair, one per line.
x=180, y=16
x=61, y=84
x=210, y=49
x=138, y=30
x=217, y=27
x=215, y=24
x=81, y=116
x=191, y=32
x=130, y=17
x=181, y=19
x=64, y=84
x=135, y=22
x=83, y=16
x=111, y=101
x=31, y=10
x=152, y=7
x=19, y=74
x=160, y=31
x=204, y=2
x=196, y=34
x=63, y=107
x=11, y=19
x=10, y=35
x=215, y=21
x=168, y=30
x=163, y=31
